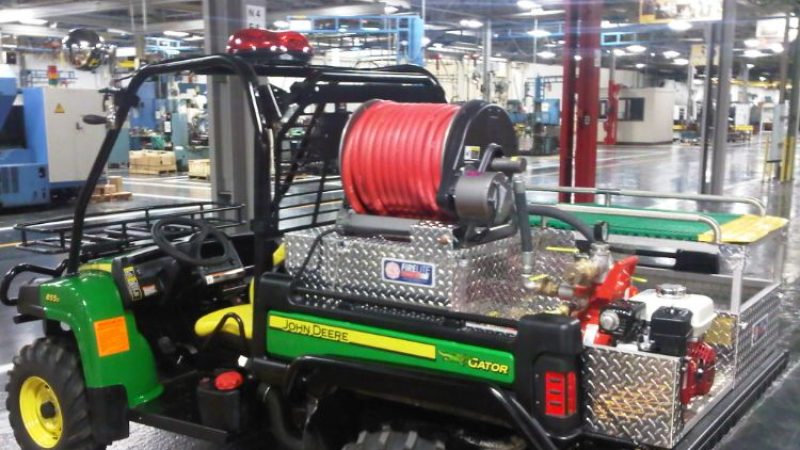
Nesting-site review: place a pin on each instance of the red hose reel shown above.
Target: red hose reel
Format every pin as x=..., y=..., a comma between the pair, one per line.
x=404, y=159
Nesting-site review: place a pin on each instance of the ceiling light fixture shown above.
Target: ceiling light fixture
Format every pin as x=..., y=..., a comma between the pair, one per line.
x=194, y=38
x=750, y=66
x=753, y=53
x=390, y=9
x=539, y=33
x=619, y=52
x=32, y=21
x=178, y=34
x=470, y=23
x=546, y=54
x=679, y=25
x=671, y=54
x=117, y=31
x=776, y=47
x=636, y=48
x=527, y=4
x=281, y=24
x=426, y=41
x=641, y=65
x=578, y=57
x=680, y=61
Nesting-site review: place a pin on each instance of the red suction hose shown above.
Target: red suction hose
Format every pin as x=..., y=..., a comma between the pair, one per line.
x=391, y=158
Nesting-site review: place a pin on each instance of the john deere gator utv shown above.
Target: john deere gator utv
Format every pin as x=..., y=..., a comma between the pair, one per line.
x=396, y=291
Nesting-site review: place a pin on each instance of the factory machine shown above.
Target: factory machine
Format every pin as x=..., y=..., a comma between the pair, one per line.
x=46, y=148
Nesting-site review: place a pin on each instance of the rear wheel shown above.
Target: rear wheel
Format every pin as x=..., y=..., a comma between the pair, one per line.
x=393, y=440
x=47, y=403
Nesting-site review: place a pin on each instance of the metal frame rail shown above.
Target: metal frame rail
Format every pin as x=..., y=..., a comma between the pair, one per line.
x=608, y=194
x=119, y=229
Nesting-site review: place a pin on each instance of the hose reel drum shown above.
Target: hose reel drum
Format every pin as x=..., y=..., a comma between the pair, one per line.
x=429, y=161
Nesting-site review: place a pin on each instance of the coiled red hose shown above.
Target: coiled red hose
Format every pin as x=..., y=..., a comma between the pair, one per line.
x=391, y=158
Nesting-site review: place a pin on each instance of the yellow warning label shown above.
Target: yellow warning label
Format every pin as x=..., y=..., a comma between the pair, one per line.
x=59, y=108
x=347, y=336
x=112, y=336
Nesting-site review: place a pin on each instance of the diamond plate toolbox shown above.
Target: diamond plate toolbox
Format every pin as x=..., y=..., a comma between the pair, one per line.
x=633, y=396
x=428, y=269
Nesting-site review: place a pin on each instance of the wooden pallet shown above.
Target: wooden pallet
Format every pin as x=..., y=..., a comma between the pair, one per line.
x=112, y=197
x=151, y=171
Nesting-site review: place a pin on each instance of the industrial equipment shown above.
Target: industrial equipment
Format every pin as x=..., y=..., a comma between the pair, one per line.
x=46, y=148
x=415, y=298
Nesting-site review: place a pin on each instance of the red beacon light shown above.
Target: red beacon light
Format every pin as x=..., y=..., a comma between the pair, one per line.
x=270, y=45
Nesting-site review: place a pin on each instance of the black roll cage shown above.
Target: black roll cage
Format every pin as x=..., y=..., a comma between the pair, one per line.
x=265, y=113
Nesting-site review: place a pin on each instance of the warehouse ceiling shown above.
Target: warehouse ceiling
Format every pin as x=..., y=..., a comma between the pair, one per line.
x=454, y=26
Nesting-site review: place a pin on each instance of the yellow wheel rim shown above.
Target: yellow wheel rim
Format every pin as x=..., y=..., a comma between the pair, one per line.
x=41, y=412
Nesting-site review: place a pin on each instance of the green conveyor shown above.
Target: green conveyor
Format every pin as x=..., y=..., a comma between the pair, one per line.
x=731, y=225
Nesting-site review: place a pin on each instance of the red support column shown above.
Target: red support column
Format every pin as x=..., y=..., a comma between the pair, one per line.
x=588, y=103
x=568, y=97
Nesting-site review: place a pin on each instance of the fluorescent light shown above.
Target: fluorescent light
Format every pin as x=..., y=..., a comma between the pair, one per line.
x=641, y=65
x=578, y=57
x=679, y=25
x=680, y=61
x=636, y=48
x=538, y=33
x=527, y=4
x=619, y=52
x=776, y=47
x=281, y=24
x=194, y=38
x=31, y=21
x=753, y=53
x=546, y=54
x=751, y=43
x=426, y=41
x=438, y=45
x=300, y=24
x=390, y=9
x=762, y=78
x=470, y=23
x=116, y=31
x=178, y=34
x=750, y=66
x=670, y=54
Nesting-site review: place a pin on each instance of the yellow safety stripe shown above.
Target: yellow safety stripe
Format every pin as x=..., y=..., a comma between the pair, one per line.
x=746, y=229
x=349, y=336
x=102, y=267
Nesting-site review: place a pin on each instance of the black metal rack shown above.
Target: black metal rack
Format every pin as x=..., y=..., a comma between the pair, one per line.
x=116, y=230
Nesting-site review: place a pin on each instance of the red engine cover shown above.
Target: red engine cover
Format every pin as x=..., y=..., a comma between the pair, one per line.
x=700, y=371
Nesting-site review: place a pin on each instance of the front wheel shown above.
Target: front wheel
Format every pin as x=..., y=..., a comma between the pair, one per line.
x=47, y=404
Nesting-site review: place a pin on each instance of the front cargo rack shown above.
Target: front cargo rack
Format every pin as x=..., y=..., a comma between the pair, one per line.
x=112, y=231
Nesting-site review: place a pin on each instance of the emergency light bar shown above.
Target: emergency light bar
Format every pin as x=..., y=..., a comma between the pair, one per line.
x=282, y=45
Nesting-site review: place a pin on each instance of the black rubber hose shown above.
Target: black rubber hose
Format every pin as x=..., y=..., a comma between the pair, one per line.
x=526, y=239
x=564, y=216
x=277, y=420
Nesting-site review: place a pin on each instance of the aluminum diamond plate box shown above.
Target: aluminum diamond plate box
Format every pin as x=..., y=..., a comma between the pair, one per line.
x=632, y=395
x=428, y=269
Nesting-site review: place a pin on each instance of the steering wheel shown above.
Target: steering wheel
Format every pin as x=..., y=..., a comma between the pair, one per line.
x=191, y=254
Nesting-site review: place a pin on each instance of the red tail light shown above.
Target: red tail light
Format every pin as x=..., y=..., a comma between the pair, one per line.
x=560, y=394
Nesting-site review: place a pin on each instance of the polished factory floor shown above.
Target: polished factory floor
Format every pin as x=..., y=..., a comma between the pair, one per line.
x=771, y=424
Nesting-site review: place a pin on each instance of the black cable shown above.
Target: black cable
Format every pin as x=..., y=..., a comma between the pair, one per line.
x=311, y=250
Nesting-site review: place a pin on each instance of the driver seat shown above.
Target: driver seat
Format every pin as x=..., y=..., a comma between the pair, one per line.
x=206, y=324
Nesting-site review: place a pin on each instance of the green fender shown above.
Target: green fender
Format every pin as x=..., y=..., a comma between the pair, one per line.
x=112, y=350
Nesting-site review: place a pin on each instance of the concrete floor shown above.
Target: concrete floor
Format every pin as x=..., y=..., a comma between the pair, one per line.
x=771, y=424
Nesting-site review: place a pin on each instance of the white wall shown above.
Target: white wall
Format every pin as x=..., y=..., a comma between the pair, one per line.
x=657, y=124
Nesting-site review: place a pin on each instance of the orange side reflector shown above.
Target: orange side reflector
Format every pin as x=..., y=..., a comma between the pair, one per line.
x=112, y=336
